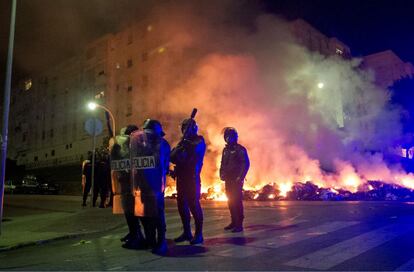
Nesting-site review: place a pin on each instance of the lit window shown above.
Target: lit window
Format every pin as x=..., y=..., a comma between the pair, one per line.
x=100, y=95
x=27, y=84
x=149, y=28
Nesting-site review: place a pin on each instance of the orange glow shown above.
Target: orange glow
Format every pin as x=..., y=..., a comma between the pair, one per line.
x=285, y=188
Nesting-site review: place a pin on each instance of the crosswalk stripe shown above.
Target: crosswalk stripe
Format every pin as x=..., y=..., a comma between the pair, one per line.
x=249, y=233
x=333, y=255
x=408, y=266
x=236, y=251
x=261, y=245
x=243, y=251
x=297, y=236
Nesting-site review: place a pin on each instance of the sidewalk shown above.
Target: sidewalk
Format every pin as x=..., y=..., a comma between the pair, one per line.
x=35, y=219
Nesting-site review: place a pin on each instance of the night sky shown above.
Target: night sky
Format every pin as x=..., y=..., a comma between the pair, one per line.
x=48, y=31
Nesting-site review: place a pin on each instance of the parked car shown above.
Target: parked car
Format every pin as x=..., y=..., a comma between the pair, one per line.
x=9, y=186
x=31, y=184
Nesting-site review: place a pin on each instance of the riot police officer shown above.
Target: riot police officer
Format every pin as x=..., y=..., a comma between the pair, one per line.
x=124, y=200
x=150, y=155
x=188, y=158
x=234, y=166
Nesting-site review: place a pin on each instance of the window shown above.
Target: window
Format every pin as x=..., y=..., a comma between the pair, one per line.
x=129, y=110
x=24, y=136
x=130, y=38
x=43, y=135
x=70, y=145
x=144, y=81
x=35, y=158
x=27, y=84
x=130, y=88
x=45, y=155
x=339, y=51
x=101, y=73
x=144, y=56
x=129, y=63
x=117, y=87
x=52, y=153
x=67, y=146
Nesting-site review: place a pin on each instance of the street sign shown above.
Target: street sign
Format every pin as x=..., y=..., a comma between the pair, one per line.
x=92, y=123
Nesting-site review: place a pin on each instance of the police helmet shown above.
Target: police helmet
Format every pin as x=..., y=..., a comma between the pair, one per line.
x=129, y=129
x=154, y=126
x=230, y=132
x=189, y=125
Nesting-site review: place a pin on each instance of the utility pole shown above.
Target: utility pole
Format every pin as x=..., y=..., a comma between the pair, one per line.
x=6, y=108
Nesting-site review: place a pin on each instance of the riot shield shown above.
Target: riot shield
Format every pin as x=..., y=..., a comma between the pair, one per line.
x=123, y=201
x=145, y=174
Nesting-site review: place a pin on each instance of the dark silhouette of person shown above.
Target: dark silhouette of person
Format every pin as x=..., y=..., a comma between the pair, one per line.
x=188, y=158
x=233, y=169
x=123, y=189
x=150, y=154
x=86, y=178
x=104, y=178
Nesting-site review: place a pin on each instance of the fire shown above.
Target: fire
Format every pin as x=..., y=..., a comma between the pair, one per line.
x=284, y=188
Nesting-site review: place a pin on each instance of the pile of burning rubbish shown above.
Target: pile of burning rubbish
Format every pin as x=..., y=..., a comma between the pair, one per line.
x=370, y=191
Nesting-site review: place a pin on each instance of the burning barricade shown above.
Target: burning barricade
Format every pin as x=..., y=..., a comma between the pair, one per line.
x=308, y=191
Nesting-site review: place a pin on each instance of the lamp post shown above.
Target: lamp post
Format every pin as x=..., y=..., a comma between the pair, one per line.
x=6, y=108
x=92, y=106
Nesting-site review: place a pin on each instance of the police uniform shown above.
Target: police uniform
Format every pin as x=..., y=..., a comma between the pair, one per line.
x=234, y=166
x=124, y=201
x=150, y=158
x=188, y=158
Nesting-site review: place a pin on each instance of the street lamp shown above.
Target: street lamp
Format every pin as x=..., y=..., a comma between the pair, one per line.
x=321, y=85
x=92, y=106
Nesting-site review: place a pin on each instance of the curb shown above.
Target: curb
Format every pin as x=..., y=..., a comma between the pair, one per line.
x=63, y=237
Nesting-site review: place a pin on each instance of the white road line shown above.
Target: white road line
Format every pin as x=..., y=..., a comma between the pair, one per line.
x=297, y=236
x=340, y=252
x=243, y=251
x=262, y=245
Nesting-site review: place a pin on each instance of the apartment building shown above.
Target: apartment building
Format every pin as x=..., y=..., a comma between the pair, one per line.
x=387, y=67
x=121, y=71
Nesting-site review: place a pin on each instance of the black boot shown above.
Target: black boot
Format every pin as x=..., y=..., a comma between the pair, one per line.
x=185, y=236
x=161, y=248
x=198, y=236
x=198, y=239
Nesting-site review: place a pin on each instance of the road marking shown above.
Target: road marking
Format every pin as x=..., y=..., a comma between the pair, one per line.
x=236, y=251
x=297, y=236
x=340, y=252
x=243, y=251
x=408, y=266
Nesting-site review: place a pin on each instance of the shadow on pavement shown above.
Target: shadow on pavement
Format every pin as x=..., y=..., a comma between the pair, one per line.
x=176, y=251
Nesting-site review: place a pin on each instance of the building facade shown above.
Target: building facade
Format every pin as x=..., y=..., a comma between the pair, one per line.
x=120, y=71
x=387, y=67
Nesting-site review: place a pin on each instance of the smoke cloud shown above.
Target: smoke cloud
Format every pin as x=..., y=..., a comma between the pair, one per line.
x=259, y=80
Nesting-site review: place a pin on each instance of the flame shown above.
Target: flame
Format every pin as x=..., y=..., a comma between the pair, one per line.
x=284, y=188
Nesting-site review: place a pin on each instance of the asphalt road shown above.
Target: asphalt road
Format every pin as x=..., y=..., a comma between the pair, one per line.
x=278, y=236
